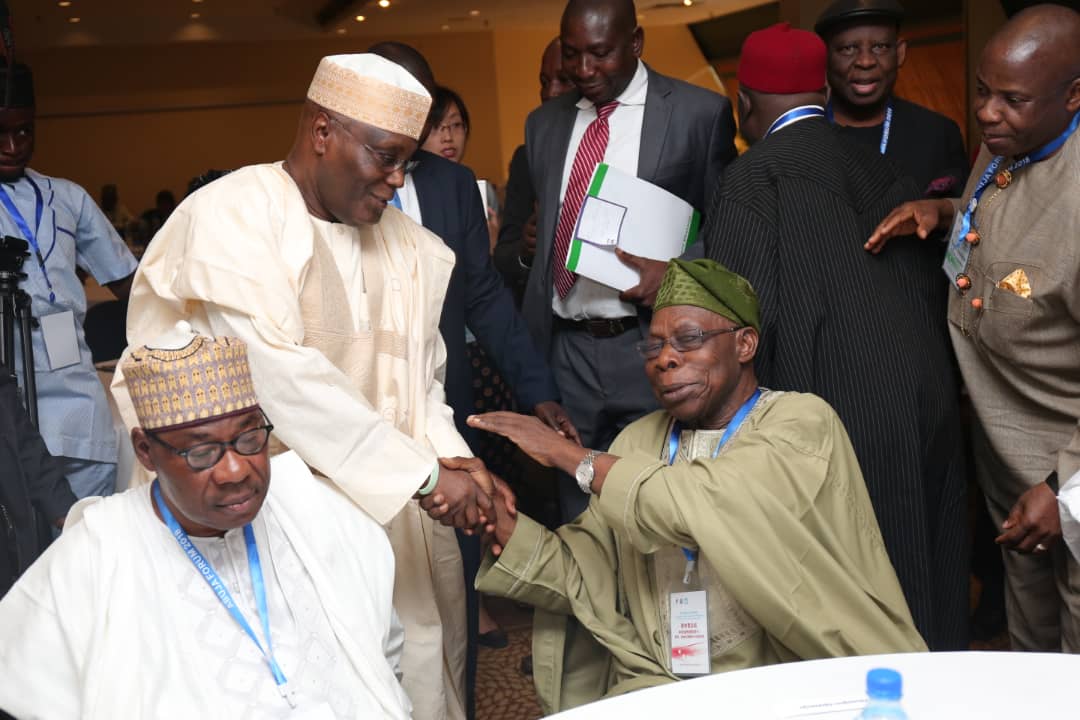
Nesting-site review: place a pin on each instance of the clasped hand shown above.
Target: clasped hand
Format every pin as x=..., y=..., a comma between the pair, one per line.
x=465, y=495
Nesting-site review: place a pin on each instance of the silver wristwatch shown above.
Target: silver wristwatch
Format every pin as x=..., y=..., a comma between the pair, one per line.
x=585, y=472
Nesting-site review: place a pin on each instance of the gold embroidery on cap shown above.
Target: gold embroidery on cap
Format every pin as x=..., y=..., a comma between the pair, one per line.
x=207, y=378
x=369, y=100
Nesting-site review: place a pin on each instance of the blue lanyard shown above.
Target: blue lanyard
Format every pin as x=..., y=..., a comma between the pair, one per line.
x=676, y=431
x=795, y=115
x=886, y=128
x=992, y=170
x=24, y=227
x=206, y=571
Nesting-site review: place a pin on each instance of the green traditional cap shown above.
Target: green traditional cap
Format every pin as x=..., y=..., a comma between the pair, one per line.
x=708, y=284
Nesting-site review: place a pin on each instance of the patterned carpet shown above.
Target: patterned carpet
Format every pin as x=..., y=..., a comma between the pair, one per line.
x=502, y=691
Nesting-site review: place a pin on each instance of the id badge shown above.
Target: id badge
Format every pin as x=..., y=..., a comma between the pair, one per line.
x=61, y=342
x=690, y=633
x=957, y=252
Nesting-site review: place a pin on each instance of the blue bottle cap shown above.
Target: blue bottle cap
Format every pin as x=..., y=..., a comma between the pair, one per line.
x=883, y=684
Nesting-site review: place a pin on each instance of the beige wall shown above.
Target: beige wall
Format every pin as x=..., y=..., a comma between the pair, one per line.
x=149, y=118
x=517, y=83
x=152, y=117
x=981, y=20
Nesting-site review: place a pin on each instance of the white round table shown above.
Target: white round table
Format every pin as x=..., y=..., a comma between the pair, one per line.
x=937, y=686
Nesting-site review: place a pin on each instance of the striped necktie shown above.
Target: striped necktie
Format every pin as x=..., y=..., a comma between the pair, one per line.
x=590, y=153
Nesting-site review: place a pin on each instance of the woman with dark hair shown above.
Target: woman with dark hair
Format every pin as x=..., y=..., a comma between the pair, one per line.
x=450, y=129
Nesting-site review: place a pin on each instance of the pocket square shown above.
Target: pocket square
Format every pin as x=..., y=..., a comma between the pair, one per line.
x=1017, y=283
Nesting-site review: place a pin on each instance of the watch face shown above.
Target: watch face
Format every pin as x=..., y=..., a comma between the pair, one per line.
x=584, y=473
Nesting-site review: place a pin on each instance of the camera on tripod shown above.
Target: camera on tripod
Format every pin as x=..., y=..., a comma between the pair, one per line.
x=15, y=318
x=13, y=253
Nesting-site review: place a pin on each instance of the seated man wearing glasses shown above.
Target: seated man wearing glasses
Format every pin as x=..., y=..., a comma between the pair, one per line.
x=727, y=530
x=208, y=592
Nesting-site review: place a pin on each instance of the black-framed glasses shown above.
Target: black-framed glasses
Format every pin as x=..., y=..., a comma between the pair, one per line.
x=683, y=342
x=387, y=162
x=206, y=455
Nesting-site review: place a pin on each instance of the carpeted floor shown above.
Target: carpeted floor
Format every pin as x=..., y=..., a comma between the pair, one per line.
x=503, y=692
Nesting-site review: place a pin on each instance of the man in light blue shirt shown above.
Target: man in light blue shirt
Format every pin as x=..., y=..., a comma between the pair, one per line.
x=65, y=230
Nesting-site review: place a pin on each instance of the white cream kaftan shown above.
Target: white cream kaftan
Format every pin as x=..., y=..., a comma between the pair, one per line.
x=114, y=621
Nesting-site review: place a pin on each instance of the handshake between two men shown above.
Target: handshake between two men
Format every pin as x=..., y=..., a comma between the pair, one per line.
x=472, y=498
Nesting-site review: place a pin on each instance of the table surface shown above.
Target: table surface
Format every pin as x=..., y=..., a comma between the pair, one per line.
x=943, y=686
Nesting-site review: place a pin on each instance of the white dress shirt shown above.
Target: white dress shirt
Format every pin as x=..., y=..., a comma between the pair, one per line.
x=590, y=299
x=410, y=201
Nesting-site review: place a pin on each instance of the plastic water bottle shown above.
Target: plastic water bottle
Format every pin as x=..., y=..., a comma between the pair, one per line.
x=883, y=688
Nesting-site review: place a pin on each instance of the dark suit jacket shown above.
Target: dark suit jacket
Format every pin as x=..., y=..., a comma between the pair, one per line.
x=687, y=137
x=518, y=206
x=451, y=207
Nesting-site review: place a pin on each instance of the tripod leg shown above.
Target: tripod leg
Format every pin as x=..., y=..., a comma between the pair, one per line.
x=7, y=334
x=22, y=312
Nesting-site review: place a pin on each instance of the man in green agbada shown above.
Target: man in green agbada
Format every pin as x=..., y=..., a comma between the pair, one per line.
x=789, y=549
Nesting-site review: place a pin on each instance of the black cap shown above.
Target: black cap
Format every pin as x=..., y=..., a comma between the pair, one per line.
x=858, y=12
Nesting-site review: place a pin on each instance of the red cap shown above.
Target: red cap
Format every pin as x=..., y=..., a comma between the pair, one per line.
x=783, y=61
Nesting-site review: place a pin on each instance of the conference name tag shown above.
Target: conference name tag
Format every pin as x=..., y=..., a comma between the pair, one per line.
x=690, y=633
x=957, y=252
x=61, y=342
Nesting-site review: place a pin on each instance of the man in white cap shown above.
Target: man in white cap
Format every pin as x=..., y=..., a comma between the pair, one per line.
x=210, y=592
x=339, y=299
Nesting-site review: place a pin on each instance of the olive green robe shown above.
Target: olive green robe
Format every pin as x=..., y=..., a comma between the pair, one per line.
x=782, y=520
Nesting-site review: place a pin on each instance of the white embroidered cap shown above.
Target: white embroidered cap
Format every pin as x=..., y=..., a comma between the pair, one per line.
x=371, y=89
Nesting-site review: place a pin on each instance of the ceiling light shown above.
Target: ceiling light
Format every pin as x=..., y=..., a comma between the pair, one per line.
x=384, y=3
x=64, y=3
x=195, y=16
x=196, y=1
x=474, y=13
x=74, y=19
x=360, y=18
x=687, y=3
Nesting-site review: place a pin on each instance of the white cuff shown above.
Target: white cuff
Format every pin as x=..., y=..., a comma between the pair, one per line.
x=1069, y=508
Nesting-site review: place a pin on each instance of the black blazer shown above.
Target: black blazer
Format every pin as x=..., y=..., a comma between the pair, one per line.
x=687, y=137
x=451, y=207
x=518, y=206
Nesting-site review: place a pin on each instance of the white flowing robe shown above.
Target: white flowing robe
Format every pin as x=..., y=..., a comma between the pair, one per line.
x=96, y=628
x=243, y=257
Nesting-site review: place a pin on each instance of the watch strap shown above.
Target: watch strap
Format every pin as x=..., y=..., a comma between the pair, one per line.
x=585, y=472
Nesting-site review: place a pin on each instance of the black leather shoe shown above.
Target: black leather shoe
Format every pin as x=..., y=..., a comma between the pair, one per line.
x=493, y=639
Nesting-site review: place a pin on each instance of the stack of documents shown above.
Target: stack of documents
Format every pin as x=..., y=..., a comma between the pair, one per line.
x=626, y=212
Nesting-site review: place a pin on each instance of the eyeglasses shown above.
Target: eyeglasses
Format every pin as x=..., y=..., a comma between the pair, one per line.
x=453, y=128
x=206, y=455
x=387, y=162
x=684, y=342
